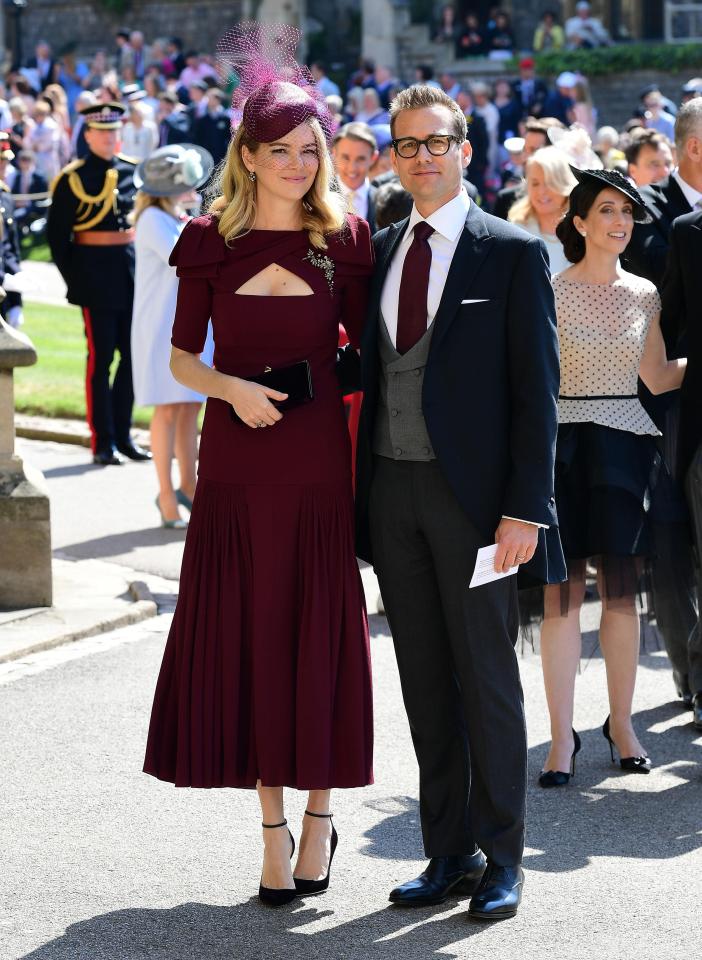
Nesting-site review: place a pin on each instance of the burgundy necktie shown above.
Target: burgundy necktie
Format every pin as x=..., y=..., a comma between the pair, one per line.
x=414, y=289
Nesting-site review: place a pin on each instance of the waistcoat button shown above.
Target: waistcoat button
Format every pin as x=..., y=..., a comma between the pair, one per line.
x=398, y=451
x=394, y=413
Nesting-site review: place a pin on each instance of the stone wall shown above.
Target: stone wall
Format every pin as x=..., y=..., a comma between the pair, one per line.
x=616, y=95
x=92, y=25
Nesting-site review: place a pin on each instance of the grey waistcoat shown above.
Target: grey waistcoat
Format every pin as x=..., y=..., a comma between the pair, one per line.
x=400, y=432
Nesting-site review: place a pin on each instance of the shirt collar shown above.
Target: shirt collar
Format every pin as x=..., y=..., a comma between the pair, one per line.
x=448, y=220
x=360, y=192
x=691, y=195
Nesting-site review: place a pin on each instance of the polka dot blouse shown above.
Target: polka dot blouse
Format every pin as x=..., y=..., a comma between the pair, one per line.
x=602, y=331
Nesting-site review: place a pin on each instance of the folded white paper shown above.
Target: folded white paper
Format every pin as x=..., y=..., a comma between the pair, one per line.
x=485, y=567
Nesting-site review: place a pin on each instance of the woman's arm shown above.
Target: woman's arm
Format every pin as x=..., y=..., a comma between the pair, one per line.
x=657, y=372
x=251, y=401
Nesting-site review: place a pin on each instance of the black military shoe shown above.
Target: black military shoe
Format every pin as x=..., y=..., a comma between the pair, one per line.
x=107, y=457
x=133, y=451
x=442, y=875
x=499, y=893
x=697, y=710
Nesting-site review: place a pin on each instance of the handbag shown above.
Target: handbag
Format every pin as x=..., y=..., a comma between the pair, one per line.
x=295, y=380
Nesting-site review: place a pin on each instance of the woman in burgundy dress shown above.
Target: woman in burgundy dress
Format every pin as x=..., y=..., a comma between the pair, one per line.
x=265, y=680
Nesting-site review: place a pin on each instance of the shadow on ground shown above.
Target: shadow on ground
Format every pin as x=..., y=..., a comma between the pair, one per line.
x=194, y=931
x=601, y=813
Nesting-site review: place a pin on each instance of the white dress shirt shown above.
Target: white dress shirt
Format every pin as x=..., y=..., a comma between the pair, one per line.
x=358, y=199
x=448, y=222
x=692, y=195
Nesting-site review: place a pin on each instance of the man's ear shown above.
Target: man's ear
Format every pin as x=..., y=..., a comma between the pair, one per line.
x=466, y=153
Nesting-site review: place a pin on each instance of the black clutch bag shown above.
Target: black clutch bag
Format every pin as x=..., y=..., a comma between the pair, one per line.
x=295, y=380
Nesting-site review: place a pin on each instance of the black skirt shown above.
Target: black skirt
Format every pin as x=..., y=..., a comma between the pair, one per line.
x=604, y=479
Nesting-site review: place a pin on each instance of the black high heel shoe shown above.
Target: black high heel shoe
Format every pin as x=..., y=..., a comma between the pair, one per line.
x=630, y=764
x=277, y=897
x=557, y=778
x=306, y=888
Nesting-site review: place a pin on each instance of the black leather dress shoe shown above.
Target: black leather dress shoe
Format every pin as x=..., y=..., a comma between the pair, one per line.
x=697, y=710
x=107, y=458
x=442, y=875
x=133, y=451
x=499, y=893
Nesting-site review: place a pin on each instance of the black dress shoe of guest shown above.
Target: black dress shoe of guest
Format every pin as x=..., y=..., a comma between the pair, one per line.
x=107, y=457
x=133, y=451
x=697, y=710
x=442, y=875
x=499, y=894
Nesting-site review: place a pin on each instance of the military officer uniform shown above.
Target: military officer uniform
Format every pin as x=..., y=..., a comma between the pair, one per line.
x=92, y=244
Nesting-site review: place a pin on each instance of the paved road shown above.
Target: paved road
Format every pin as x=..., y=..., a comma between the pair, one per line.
x=100, y=862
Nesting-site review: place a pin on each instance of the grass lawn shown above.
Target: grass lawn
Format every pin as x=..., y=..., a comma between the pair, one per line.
x=55, y=385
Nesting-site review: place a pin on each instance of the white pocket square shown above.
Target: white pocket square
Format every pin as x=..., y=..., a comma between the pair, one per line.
x=475, y=301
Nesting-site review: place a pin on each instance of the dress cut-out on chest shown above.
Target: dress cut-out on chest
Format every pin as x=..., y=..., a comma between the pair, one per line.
x=279, y=278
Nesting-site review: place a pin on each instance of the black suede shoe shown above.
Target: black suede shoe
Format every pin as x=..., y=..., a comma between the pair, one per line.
x=697, y=710
x=133, y=451
x=442, y=875
x=107, y=457
x=499, y=893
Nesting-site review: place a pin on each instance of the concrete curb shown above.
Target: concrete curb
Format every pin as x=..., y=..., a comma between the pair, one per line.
x=64, y=431
x=92, y=597
x=140, y=610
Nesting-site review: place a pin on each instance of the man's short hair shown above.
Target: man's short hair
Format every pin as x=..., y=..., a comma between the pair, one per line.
x=419, y=97
x=688, y=123
x=356, y=131
x=640, y=138
x=168, y=96
x=542, y=125
x=392, y=204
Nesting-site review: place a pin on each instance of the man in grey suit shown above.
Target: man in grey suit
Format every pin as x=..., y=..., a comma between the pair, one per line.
x=456, y=452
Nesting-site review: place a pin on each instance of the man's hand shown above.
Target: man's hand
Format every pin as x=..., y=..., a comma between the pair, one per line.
x=516, y=543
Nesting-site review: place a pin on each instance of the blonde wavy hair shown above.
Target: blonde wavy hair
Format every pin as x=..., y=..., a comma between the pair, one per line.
x=557, y=175
x=323, y=209
x=142, y=201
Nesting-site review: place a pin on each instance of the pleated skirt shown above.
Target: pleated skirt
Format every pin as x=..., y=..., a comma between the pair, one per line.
x=266, y=672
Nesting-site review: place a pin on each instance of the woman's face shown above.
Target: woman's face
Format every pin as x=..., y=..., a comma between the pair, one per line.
x=609, y=222
x=544, y=199
x=286, y=168
x=503, y=90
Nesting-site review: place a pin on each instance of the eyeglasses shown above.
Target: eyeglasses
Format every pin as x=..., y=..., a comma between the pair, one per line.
x=438, y=145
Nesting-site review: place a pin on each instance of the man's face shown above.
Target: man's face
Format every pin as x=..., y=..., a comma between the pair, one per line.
x=353, y=160
x=653, y=164
x=533, y=141
x=104, y=143
x=431, y=180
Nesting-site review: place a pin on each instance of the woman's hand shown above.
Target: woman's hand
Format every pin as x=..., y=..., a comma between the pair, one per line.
x=252, y=402
x=658, y=373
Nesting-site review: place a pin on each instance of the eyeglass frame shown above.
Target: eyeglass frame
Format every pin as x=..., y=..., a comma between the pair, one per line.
x=449, y=136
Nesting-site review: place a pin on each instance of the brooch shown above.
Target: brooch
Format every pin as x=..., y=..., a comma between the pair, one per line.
x=325, y=264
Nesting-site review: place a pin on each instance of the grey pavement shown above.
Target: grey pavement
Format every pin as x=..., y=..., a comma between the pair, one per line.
x=100, y=862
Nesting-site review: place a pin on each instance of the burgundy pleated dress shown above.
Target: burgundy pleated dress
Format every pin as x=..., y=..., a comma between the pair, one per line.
x=266, y=672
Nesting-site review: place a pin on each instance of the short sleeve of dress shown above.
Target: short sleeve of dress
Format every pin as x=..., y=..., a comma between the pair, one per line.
x=652, y=303
x=197, y=257
x=352, y=252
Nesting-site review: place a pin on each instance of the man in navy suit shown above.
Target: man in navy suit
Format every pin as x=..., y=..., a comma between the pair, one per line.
x=456, y=452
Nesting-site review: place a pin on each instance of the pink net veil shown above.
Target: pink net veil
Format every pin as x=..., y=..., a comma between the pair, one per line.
x=274, y=93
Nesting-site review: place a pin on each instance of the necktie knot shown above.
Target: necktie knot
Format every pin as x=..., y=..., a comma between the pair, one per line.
x=423, y=230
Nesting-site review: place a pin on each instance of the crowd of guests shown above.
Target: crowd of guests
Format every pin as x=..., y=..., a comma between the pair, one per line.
x=609, y=206
x=471, y=36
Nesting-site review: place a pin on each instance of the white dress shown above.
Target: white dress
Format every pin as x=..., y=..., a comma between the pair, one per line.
x=155, y=293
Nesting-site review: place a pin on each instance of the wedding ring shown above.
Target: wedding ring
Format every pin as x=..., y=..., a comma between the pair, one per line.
x=260, y=423
x=520, y=559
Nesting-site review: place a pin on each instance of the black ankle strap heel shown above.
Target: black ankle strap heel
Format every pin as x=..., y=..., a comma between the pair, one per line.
x=278, y=897
x=307, y=888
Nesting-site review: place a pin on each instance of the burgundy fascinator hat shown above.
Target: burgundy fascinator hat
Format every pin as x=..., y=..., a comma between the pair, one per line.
x=274, y=93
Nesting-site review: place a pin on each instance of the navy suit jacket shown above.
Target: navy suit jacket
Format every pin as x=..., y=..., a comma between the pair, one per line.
x=490, y=386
